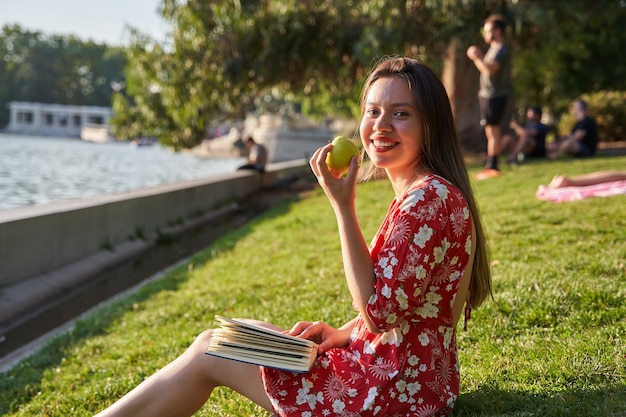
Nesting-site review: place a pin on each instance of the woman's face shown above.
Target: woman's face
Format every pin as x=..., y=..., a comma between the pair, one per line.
x=391, y=130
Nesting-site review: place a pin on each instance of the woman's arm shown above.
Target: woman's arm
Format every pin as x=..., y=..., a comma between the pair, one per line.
x=476, y=55
x=357, y=262
x=358, y=265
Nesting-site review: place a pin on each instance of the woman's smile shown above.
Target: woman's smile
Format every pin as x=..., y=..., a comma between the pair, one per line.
x=383, y=145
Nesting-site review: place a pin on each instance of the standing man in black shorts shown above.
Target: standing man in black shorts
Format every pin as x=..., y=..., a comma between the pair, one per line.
x=494, y=91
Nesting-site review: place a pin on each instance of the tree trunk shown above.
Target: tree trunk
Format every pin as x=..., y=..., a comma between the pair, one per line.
x=460, y=78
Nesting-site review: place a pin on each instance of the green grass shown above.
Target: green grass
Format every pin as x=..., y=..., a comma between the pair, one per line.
x=551, y=343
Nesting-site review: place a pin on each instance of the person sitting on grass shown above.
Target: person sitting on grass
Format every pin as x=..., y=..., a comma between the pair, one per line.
x=529, y=140
x=425, y=266
x=583, y=140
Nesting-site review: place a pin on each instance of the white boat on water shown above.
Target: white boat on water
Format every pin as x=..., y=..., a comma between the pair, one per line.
x=96, y=133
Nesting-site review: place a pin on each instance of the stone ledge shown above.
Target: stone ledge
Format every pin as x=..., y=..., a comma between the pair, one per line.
x=33, y=307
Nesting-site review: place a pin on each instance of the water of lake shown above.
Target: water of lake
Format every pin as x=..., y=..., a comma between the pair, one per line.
x=39, y=170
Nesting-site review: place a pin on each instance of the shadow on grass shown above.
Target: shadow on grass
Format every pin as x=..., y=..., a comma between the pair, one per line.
x=23, y=382
x=609, y=400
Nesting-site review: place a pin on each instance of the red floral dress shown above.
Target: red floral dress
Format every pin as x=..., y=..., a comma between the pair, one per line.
x=420, y=253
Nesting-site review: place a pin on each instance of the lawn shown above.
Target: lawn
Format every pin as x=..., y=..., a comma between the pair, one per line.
x=552, y=342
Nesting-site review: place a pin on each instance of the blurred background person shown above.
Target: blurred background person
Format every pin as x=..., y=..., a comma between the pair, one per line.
x=528, y=140
x=495, y=86
x=257, y=156
x=583, y=140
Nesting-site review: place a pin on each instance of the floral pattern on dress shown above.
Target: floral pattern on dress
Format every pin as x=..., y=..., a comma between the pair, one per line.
x=411, y=369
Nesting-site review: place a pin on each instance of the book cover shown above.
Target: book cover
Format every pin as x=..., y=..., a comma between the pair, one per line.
x=246, y=342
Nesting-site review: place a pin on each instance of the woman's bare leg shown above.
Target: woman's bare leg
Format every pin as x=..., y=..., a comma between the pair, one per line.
x=184, y=385
x=587, y=179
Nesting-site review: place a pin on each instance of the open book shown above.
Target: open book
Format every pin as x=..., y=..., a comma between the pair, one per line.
x=245, y=342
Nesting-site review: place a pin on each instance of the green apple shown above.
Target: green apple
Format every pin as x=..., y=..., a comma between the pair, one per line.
x=338, y=159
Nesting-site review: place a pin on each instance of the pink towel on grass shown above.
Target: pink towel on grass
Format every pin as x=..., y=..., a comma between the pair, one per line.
x=558, y=195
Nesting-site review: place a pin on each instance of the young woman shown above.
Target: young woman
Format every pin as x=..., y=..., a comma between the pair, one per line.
x=427, y=261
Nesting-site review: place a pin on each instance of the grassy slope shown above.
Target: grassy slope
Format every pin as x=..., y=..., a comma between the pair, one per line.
x=551, y=343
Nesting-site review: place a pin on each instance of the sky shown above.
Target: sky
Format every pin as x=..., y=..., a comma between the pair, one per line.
x=103, y=21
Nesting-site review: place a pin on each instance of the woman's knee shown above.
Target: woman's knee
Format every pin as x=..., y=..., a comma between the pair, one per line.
x=203, y=339
x=196, y=361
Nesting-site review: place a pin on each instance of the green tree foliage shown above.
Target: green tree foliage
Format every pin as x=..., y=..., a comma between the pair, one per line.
x=225, y=58
x=567, y=48
x=56, y=69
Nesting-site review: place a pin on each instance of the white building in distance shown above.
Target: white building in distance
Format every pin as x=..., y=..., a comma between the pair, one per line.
x=56, y=119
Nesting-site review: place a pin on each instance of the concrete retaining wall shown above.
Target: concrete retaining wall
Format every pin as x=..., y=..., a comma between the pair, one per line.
x=59, y=260
x=38, y=239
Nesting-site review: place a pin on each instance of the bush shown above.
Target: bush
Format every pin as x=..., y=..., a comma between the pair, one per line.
x=608, y=110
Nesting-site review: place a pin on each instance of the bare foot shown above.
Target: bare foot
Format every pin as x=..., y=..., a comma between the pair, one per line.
x=559, y=181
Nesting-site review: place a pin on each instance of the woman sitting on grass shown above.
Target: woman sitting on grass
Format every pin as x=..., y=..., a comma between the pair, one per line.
x=398, y=356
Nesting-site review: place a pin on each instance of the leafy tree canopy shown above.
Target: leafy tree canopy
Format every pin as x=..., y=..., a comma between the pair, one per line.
x=225, y=58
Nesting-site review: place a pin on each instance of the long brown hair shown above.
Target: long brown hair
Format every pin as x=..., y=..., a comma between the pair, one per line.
x=441, y=151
